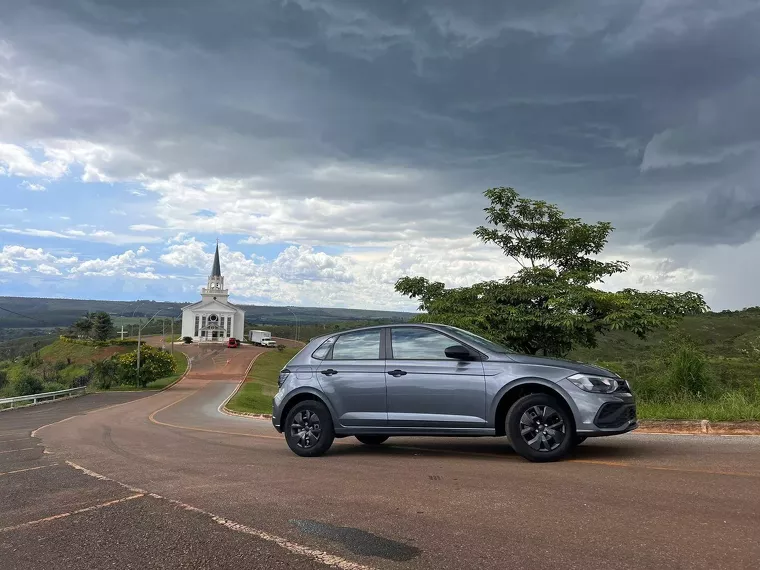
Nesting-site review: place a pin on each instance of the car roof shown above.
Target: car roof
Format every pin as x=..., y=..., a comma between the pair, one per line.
x=371, y=327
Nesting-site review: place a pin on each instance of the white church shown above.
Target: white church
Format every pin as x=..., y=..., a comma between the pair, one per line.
x=213, y=318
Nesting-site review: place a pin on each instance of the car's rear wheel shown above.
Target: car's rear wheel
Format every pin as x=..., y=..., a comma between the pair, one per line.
x=372, y=439
x=539, y=428
x=309, y=429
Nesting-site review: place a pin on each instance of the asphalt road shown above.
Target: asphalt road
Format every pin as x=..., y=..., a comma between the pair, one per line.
x=168, y=481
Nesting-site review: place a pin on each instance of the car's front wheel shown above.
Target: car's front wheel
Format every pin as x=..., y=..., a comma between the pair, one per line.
x=372, y=439
x=539, y=428
x=309, y=429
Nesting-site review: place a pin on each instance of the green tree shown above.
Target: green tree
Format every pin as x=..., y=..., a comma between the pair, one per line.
x=154, y=364
x=102, y=326
x=549, y=305
x=83, y=327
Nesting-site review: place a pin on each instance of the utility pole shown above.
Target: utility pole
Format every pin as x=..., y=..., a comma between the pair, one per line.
x=172, y=337
x=139, y=332
x=122, y=332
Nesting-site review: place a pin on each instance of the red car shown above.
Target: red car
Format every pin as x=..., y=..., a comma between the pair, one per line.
x=233, y=343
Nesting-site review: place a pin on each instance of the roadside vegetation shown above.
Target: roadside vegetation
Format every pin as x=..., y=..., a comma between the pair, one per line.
x=255, y=395
x=89, y=356
x=682, y=362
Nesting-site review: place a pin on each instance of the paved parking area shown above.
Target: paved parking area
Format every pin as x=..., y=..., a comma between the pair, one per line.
x=167, y=481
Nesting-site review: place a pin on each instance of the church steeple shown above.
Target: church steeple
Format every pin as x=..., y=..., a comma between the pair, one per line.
x=215, y=285
x=216, y=270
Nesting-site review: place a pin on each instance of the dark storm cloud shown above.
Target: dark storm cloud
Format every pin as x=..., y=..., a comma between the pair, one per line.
x=595, y=104
x=730, y=217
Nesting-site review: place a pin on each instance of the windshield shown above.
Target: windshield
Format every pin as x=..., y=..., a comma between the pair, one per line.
x=479, y=340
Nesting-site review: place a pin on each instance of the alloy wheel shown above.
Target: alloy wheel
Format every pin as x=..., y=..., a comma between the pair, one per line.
x=542, y=428
x=305, y=429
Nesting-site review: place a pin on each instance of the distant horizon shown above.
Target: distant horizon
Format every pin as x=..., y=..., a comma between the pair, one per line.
x=298, y=307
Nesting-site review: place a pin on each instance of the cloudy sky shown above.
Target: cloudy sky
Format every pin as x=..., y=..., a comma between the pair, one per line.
x=334, y=146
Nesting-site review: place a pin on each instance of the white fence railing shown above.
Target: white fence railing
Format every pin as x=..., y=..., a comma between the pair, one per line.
x=35, y=398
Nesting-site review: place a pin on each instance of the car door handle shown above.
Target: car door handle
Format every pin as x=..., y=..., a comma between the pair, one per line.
x=397, y=373
x=329, y=372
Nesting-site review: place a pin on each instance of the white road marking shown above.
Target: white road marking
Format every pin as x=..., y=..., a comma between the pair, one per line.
x=10, y=440
x=28, y=469
x=77, y=512
x=292, y=547
x=15, y=450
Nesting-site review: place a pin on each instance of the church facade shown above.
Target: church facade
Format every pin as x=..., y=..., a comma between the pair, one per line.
x=213, y=318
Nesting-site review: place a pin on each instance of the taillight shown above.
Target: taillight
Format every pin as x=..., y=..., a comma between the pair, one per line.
x=284, y=373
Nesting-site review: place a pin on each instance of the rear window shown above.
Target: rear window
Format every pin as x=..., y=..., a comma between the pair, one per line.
x=324, y=349
x=359, y=345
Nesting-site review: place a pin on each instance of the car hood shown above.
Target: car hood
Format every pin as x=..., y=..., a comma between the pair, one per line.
x=579, y=367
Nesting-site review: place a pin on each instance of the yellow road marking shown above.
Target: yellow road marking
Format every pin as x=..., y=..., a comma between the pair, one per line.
x=77, y=512
x=152, y=418
x=625, y=465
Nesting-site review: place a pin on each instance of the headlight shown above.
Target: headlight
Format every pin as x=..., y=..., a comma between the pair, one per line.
x=598, y=384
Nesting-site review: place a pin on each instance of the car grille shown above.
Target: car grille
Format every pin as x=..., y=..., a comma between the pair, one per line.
x=615, y=415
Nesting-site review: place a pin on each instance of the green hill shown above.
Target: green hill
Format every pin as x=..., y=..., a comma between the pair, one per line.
x=52, y=313
x=728, y=334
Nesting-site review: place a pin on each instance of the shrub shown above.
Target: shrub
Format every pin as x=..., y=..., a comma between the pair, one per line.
x=187, y=339
x=104, y=373
x=27, y=384
x=32, y=360
x=3, y=377
x=82, y=379
x=688, y=371
x=53, y=387
x=154, y=364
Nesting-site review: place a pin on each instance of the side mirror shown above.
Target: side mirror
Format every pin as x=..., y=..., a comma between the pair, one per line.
x=458, y=352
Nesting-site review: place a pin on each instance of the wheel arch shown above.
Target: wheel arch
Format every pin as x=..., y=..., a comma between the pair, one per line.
x=302, y=395
x=512, y=392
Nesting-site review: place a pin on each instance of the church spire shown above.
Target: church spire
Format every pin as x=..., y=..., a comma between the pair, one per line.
x=216, y=270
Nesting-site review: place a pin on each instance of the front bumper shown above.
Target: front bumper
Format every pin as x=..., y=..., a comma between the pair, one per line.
x=602, y=414
x=277, y=411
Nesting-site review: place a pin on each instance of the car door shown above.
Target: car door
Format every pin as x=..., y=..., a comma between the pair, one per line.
x=425, y=388
x=352, y=376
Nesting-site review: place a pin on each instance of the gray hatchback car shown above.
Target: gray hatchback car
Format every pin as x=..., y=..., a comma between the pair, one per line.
x=438, y=380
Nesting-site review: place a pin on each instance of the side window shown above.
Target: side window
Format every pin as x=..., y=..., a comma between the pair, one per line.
x=419, y=344
x=359, y=345
x=323, y=350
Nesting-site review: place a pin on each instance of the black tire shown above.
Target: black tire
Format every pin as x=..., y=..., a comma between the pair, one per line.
x=372, y=439
x=539, y=428
x=579, y=439
x=309, y=429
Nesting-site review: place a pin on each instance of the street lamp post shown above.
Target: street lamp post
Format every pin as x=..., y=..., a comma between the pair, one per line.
x=296, y=317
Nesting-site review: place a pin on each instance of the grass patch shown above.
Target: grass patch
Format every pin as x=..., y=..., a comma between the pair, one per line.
x=255, y=396
x=181, y=361
x=731, y=406
x=60, y=351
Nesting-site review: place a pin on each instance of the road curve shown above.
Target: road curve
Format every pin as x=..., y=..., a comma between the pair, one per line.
x=627, y=502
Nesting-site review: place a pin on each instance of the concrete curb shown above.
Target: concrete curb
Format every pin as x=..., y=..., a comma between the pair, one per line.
x=698, y=427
